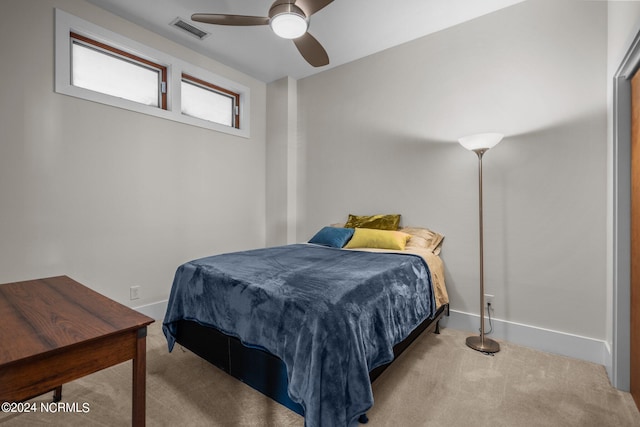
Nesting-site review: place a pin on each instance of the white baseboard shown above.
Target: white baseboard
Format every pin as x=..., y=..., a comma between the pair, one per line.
x=562, y=343
x=155, y=310
x=608, y=363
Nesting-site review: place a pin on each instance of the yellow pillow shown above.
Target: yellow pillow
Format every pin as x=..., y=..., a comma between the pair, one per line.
x=380, y=222
x=381, y=239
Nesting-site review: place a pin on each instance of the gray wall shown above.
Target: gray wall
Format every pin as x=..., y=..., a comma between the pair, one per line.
x=282, y=148
x=115, y=199
x=379, y=136
x=110, y=197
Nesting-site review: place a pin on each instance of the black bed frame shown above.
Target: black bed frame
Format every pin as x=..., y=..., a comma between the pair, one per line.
x=262, y=370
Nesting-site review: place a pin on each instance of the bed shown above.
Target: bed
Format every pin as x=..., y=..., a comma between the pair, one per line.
x=309, y=325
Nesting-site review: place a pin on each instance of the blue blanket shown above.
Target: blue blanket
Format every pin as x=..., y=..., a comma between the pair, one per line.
x=332, y=315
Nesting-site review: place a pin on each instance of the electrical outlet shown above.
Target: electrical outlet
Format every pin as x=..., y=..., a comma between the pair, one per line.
x=488, y=299
x=134, y=292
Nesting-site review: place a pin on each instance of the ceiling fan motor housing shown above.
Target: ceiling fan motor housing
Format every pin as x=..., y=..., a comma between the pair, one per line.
x=288, y=21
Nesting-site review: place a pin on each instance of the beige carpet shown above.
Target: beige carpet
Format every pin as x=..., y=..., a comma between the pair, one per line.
x=437, y=382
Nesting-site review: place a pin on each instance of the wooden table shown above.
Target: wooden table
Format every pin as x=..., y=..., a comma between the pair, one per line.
x=55, y=330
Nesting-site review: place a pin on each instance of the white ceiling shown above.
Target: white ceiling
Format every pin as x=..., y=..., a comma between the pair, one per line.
x=348, y=29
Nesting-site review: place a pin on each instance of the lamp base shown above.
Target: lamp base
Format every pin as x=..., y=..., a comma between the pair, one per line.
x=489, y=345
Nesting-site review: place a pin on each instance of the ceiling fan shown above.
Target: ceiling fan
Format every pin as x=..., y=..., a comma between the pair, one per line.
x=289, y=19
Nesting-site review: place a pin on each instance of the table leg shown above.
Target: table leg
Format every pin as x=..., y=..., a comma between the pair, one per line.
x=57, y=394
x=139, y=379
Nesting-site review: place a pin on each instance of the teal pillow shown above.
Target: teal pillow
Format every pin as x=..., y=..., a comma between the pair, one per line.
x=332, y=236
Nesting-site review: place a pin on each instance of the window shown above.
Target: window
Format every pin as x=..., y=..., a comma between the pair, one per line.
x=105, y=69
x=207, y=101
x=95, y=64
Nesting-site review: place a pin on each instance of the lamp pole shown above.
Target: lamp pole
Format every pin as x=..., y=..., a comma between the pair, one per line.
x=481, y=343
x=480, y=144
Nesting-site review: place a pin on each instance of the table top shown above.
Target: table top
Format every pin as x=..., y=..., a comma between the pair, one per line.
x=46, y=315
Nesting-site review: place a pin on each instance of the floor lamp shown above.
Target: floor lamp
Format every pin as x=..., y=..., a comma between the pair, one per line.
x=480, y=144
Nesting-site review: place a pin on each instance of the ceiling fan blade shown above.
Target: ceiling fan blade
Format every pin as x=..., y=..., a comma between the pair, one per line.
x=309, y=7
x=238, y=20
x=311, y=50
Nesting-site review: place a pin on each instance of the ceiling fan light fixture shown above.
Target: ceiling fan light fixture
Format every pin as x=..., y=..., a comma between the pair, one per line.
x=288, y=21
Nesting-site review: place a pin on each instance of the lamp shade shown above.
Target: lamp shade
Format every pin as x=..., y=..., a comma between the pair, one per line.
x=289, y=25
x=480, y=141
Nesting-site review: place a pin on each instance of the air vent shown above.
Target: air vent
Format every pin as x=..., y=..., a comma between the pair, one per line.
x=185, y=26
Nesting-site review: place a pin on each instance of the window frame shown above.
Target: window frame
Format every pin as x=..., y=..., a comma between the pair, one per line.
x=118, y=53
x=210, y=86
x=66, y=23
